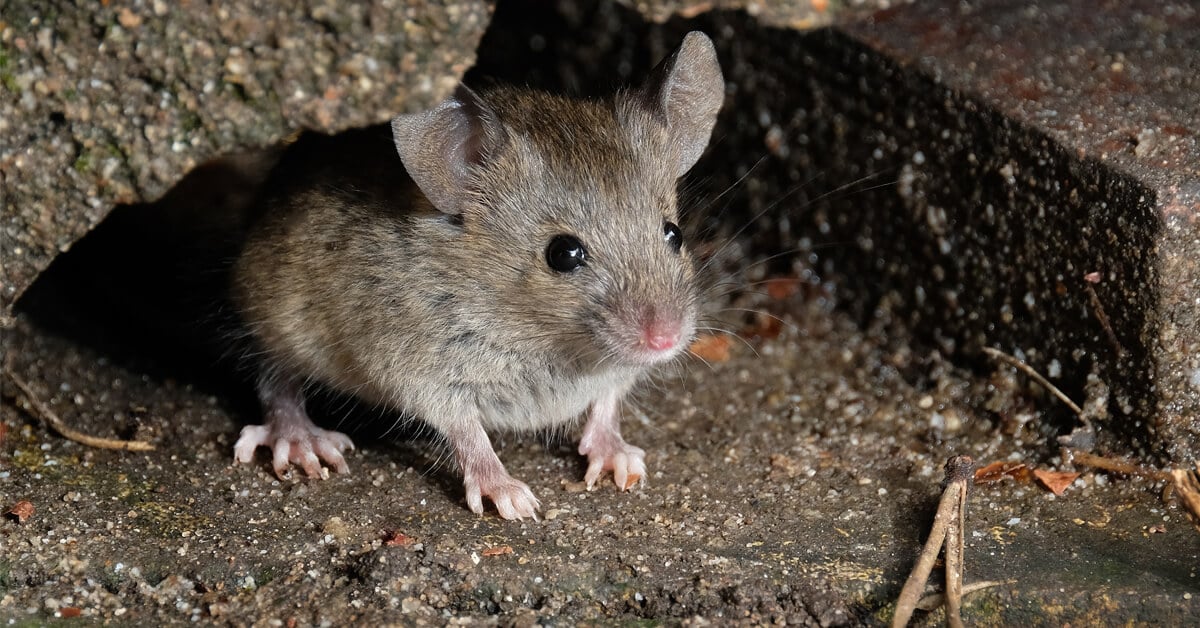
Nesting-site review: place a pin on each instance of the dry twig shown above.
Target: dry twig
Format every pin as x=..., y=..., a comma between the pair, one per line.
x=948, y=530
x=1183, y=483
x=55, y=423
x=1115, y=465
x=1103, y=318
x=1028, y=370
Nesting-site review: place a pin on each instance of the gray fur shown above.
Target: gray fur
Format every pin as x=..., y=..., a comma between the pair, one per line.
x=420, y=283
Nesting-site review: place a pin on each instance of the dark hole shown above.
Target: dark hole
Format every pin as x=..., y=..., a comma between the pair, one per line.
x=146, y=286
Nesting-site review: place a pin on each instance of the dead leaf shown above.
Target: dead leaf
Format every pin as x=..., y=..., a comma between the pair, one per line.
x=129, y=19
x=1055, y=481
x=784, y=467
x=68, y=612
x=20, y=511
x=999, y=470
x=397, y=539
x=712, y=347
x=780, y=288
x=1187, y=485
x=499, y=550
x=767, y=328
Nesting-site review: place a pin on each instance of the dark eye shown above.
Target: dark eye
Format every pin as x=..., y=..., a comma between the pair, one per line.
x=673, y=236
x=565, y=253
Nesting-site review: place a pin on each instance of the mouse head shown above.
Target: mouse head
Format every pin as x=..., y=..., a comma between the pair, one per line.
x=566, y=209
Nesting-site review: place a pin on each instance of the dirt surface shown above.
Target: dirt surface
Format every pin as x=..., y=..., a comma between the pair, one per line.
x=792, y=481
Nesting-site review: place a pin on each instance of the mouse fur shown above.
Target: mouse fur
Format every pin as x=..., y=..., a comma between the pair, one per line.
x=408, y=264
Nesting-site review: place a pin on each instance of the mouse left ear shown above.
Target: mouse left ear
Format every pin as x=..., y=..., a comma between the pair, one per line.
x=439, y=147
x=687, y=89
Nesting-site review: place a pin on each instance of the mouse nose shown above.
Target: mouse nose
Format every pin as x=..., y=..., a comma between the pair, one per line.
x=651, y=333
x=660, y=335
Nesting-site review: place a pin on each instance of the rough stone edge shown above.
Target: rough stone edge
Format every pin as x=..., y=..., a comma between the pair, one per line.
x=17, y=274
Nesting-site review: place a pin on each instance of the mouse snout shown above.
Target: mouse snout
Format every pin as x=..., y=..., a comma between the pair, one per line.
x=656, y=333
x=659, y=333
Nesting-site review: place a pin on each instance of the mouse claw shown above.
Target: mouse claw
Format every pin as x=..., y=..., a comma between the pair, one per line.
x=595, y=468
x=252, y=437
x=512, y=498
x=475, y=499
x=628, y=464
x=306, y=447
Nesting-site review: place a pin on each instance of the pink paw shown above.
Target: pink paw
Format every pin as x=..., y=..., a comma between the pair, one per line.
x=512, y=497
x=306, y=447
x=627, y=463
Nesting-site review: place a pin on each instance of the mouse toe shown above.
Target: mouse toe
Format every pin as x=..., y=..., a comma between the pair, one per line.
x=512, y=498
x=313, y=449
x=627, y=463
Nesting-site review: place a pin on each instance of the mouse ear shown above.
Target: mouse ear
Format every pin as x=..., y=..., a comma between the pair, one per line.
x=687, y=89
x=440, y=146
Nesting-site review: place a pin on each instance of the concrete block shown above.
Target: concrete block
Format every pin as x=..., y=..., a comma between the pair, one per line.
x=1048, y=196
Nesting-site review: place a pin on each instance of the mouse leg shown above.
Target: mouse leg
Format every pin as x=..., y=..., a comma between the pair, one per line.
x=484, y=475
x=606, y=450
x=291, y=435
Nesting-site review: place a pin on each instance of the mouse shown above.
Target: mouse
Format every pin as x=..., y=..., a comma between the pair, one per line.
x=510, y=259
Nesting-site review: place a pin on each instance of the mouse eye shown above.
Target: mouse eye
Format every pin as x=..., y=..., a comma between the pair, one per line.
x=673, y=236
x=565, y=253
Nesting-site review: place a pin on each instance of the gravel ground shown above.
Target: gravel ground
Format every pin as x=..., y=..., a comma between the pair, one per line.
x=791, y=482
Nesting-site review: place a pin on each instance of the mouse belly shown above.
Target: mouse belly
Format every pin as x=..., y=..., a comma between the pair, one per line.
x=513, y=404
x=548, y=405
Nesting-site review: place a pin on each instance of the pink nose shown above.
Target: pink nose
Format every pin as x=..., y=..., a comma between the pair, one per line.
x=660, y=337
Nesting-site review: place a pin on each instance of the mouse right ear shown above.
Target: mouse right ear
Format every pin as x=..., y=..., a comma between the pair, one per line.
x=440, y=146
x=686, y=90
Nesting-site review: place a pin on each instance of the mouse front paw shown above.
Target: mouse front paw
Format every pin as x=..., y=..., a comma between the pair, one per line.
x=627, y=463
x=306, y=446
x=512, y=497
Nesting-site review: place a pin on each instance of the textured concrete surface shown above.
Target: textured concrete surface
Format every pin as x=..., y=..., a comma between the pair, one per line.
x=801, y=14
x=102, y=103
x=791, y=483
x=1093, y=166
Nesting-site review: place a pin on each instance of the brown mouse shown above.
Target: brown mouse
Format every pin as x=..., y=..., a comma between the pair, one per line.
x=508, y=260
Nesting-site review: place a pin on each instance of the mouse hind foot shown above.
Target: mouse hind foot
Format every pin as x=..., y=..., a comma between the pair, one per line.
x=290, y=434
x=484, y=475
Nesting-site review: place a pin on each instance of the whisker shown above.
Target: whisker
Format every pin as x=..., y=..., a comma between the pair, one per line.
x=793, y=190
